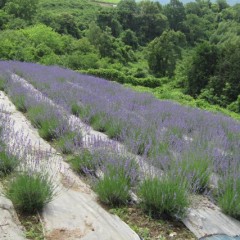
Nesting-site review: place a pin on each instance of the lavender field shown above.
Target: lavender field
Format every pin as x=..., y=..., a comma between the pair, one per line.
x=189, y=145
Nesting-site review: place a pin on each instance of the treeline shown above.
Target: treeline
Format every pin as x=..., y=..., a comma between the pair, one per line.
x=193, y=47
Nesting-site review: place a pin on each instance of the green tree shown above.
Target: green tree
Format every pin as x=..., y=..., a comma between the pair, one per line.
x=226, y=83
x=151, y=21
x=25, y=9
x=129, y=38
x=127, y=10
x=2, y=3
x=108, y=18
x=175, y=13
x=164, y=52
x=202, y=68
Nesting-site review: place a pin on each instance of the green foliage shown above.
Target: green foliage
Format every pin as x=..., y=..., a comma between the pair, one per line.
x=164, y=52
x=2, y=83
x=175, y=13
x=165, y=196
x=113, y=188
x=202, y=67
x=235, y=106
x=118, y=44
x=34, y=114
x=150, y=14
x=25, y=9
x=196, y=169
x=115, y=75
x=48, y=127
x=83, y=162
x=20, y=102
x=8, y=163
x=229, y=196
x=81, y=111
x=66, y=142
x=30, y=192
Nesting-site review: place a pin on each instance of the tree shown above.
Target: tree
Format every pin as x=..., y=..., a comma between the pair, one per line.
x=108, y=18
x=25, y=9
x=2, y=3
x=202, y=68
x=164, y=52
x=129, y=38
x=226, y=83
x=150, y=14
x=175, y=13
x=127, y=10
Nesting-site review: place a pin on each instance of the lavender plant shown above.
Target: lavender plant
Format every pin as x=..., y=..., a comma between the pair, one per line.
x=8, y=162
x=120, y=173
x=167, y=196
x=30, y=192
x=83, y=162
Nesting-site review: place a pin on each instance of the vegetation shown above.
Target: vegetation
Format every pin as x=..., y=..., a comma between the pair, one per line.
x=166, y=196
x=30, y=192
x=194, y=46
x=189, y=54
x=8, y=163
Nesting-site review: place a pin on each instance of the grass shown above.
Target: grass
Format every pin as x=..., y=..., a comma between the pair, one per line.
x=150, y=228
x=33, y=226
x=164, y=197
x=30, y=192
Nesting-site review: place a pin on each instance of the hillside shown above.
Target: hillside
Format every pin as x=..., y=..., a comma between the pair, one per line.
x=150, y=161
x=191, y=50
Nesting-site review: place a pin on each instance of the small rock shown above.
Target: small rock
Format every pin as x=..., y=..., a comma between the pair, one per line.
x=173, y=234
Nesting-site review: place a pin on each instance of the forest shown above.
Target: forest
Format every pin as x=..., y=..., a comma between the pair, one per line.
x=189, y=52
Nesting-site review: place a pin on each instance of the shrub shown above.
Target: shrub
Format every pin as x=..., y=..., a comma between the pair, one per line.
x=114, y=75
x=98, y=121
x=80, y=111
x=66, y=142
x=229, y=196
x=113, y=188
x=8, y=163
x=20, y=103
x=35, y=114
x=48, y=128
x=195, y=167
x=2, y=84
x=83, y=162
x=113, y=128
x=166, y=196
x=30, y=192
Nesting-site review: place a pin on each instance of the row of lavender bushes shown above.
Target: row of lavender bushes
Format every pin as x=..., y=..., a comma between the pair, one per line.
x=182, y=141
x=29, y=186
x=120, y=171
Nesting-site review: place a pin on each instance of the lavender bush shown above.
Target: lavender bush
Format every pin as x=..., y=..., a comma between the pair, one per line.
x=164, y=197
